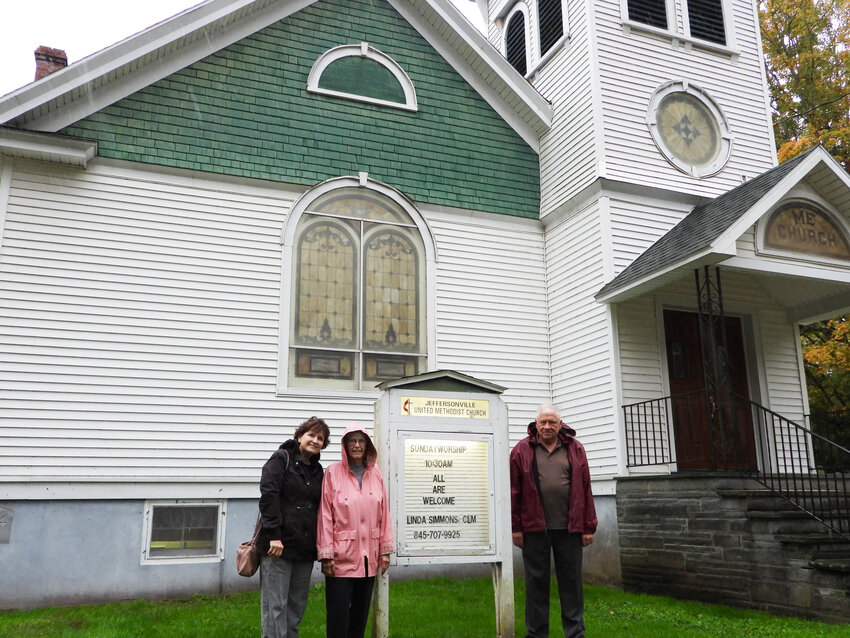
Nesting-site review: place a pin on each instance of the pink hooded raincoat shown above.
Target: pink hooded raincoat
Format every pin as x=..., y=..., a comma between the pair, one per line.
x=354, y=522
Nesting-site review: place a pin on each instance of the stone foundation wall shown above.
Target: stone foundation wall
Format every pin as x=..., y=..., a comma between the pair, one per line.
x=697, y=537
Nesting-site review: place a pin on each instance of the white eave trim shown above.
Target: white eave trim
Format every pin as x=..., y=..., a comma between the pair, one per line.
x=788, y=268
x=778, y=192
x=81, y=76
x=52, y=103
x=538, y=104
x=46, y=148
x=724, y=246
x=530, y=114
x=644, y=284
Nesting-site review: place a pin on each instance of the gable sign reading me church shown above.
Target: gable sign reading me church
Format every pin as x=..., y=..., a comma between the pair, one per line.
x=801, y=227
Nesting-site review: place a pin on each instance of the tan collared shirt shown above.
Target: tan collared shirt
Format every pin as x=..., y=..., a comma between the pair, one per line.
x=553, y=471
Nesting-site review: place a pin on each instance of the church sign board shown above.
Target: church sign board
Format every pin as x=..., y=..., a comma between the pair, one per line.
x=443, y=447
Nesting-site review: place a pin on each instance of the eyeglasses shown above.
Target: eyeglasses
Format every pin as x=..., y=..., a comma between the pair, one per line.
x=353, y=442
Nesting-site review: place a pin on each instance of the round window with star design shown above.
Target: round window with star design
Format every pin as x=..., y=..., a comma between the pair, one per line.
x=689, y=129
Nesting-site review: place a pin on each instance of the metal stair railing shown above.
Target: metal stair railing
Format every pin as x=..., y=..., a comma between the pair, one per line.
x=806, y=469
x=801, y=466
x=649, y=427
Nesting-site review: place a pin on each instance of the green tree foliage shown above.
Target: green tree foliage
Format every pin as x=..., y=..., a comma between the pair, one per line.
x=807, y=56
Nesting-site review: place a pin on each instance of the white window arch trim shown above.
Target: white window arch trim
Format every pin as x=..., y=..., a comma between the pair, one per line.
x=534, y=58
x=683, y=86
x=365, y=50
x=290, y=226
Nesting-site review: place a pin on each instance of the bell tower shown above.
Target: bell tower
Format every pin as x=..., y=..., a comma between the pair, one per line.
x=659, y=95
x=659, y=106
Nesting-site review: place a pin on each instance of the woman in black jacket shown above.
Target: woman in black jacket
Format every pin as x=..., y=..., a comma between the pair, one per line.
x=290, y=490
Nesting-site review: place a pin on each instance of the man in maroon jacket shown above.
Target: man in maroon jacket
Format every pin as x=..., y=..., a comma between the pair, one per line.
x=552, y=513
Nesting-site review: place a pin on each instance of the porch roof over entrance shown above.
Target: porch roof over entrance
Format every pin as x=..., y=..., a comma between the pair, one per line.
x=708, y=234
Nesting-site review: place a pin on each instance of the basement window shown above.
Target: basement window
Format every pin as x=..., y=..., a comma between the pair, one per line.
x=177, y=531
x=361, y=72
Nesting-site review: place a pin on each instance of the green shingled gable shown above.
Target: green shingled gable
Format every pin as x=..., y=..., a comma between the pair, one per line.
x=245, y=111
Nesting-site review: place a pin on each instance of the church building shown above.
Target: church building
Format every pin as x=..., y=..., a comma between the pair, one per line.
x=258, y=210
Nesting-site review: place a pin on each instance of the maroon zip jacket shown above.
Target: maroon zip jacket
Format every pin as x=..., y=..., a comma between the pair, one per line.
x=527, y=509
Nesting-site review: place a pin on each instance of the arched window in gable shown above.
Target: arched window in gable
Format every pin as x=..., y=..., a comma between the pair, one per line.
x=515, y=42
x=361, y=72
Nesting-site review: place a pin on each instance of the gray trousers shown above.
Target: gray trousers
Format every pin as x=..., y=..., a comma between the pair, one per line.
x=284, y=587
x=538, y=548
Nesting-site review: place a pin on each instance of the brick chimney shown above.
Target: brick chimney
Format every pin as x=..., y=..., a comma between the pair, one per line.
x=48, y=60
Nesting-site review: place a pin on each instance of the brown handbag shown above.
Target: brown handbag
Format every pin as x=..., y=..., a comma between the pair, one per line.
x=247, y=554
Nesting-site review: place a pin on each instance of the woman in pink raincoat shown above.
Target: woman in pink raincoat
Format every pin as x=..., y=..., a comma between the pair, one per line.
x=355, y=538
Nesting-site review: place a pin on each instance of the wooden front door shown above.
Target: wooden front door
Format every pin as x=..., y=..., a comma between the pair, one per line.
x=700, y=442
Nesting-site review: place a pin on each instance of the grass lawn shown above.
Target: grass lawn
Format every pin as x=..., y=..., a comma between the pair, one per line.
x=438, y=608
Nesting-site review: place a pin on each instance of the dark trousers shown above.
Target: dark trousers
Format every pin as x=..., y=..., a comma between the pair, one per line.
x=347, y=603
x=536, y=552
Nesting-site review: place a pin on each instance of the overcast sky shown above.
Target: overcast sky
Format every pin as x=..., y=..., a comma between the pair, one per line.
x=80, y=28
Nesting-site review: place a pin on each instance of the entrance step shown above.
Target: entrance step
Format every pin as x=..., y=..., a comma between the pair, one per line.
x=839, y=565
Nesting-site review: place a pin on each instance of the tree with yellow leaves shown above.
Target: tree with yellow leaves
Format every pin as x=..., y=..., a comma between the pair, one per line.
x=807, y=57
x=826, y=358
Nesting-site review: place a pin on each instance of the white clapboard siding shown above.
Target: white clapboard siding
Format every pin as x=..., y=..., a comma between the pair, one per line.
x=491, y=301
x=746, y=244
x=638, y=223
x=582, y=369
x=782, y=367
x=139, y=318
x=568, y=161
x=632, y=65
x=139, y=325
x=640, y=353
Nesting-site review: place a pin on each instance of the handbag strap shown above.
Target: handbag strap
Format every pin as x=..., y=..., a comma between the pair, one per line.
x=257, y=527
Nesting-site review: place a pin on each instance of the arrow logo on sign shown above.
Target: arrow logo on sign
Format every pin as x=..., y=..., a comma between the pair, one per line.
x=406, y=406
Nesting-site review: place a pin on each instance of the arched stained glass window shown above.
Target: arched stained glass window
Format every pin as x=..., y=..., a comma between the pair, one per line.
x=389, y=311
x=358, y=312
